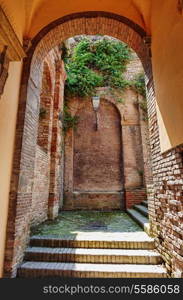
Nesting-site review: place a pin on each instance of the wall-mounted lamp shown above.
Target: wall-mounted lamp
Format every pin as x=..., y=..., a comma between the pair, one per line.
x=96, y=104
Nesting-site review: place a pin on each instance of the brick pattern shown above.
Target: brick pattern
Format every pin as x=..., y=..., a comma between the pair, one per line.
x=94, y=201
x=135, y=196
x=42, y=157
x=165, y=206
x=34, y=159
x=88, y=163
x=40, y=188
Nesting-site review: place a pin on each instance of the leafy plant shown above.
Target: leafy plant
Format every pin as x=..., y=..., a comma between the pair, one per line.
x=95, y=64
x=69, y=120
x=138, y=85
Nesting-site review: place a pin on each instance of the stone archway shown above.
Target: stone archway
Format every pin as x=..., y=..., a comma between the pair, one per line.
x=26, y=131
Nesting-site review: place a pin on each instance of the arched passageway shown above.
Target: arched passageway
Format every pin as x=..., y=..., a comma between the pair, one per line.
x=21, y=189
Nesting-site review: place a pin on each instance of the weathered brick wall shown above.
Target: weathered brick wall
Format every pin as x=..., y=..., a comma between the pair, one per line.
x=28, y=204
x=133, y=177
x=168, y=181
x=84, y=168
x=48, y=175
x=97, y=153
x=40, y=193
x=165, y=207
x=93, y=162
x=41, y=187
x=135, y=196
x=134, y=68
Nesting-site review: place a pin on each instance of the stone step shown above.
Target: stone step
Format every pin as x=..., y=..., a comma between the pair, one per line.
x=135, y=240
x=139, y=218
x=81, y=255
x=142, y=209
x=45, y=269
x=144, y=203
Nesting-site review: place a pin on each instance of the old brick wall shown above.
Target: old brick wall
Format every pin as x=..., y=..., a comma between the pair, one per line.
x=93, y=161
x=36, y=151
x=41, y=187
x=90, y=163
x=40, y=193
x=165, y=208
x=97, y=153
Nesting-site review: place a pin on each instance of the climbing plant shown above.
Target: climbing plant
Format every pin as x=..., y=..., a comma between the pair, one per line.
x=101, y=63
x=95, y=64
x=69, y=120
x=138, y=85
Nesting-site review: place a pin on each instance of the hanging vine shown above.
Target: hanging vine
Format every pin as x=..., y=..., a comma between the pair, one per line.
x=93, y=64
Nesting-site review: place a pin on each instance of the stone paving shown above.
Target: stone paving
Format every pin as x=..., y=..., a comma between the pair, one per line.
x=73, y=223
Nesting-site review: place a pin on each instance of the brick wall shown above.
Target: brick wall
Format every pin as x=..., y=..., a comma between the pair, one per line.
x=41, y=181
x=36, y=151
x=165, y=207
x=41, y=187
x=90, y=166
x=94, y=172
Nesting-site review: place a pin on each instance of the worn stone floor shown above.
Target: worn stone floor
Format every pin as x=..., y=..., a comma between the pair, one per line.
x=75, y=222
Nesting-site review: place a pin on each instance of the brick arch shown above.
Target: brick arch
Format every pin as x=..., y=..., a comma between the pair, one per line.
x=90, y=23
x=21, y=187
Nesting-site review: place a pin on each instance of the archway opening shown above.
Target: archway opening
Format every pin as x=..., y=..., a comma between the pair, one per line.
x=49, y=38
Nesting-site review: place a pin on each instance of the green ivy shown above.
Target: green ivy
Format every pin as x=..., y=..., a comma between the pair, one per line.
x=138, y=85
x=69, y=120
x=95, y=64
x=102, y=63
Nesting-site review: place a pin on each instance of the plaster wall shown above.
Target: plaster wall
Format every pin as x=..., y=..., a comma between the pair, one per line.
x=8, y=115
x=167, y=44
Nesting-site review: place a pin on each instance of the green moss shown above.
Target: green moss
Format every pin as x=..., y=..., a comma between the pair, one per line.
x=70, y=223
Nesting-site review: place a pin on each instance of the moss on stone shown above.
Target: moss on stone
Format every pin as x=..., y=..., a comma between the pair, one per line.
x=71, y=223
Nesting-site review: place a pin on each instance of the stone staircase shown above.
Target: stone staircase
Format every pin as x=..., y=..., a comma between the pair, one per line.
x=121, y=255
x=139, y=213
